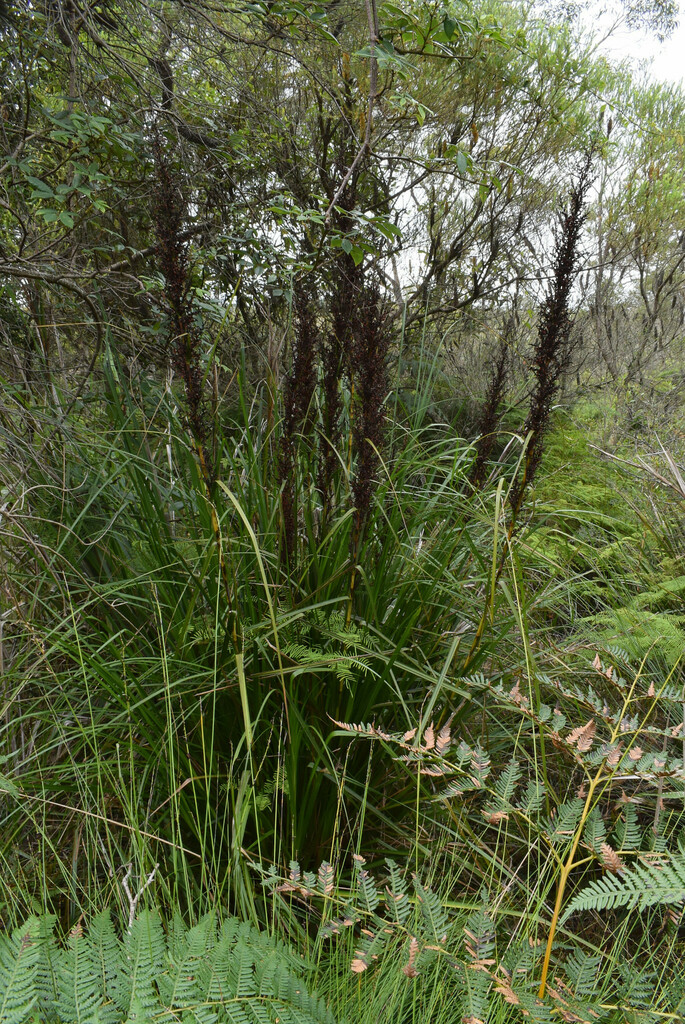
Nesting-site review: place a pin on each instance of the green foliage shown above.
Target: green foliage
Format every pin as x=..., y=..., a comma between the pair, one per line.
x=245, y=634
x=646, y=884
x=473, y=955
x=475, y=760
x=19, y=970
x=208, y=974
x=641, y=632
x=326, y=642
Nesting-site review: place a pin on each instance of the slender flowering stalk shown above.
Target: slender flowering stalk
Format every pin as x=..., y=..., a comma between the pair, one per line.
x=489, y=415
x=369, y=375
x=298, y=403
x=185, y=341
x=553, y=350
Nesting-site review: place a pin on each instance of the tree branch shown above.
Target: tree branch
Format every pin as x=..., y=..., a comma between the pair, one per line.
x=372, y=18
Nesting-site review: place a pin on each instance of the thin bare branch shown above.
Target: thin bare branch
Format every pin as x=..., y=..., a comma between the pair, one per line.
x=372, y=18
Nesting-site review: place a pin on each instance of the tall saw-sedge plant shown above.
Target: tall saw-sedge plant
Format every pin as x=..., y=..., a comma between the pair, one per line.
x=370, y=345
x=298, y=422
x=185, y=345
x=552, y=349
x=551, y=357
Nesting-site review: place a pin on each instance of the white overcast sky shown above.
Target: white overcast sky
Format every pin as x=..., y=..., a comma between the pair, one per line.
x=668, y=59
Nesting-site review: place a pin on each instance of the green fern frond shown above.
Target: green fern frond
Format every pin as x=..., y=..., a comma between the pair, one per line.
x=480, y=765
x=666, y=589
x=563, y=825
x=558, y=721
x=532, y=1009
x=477, y=994
x=636, y=986
x=45, y=978
x=198, y=975
x=344, y=666
x=641, y=633
x=594, y=832
x=479, y=937
x=183, y=986
x=581, y=970
x=506, y=784
x=202, y=634
x=397, y=901
x=325, y=642
x=644, y=885
x=368, y=889
x=105, y=950
x=657, y=835
x=533, y=797
x=303, y=654
x=19, y=957
x=433, y=911
x=351, y=637
x=627, y=834
x=79, y=994
x=144, y=954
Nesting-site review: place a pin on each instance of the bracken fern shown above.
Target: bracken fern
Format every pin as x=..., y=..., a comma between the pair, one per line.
x=208, y=974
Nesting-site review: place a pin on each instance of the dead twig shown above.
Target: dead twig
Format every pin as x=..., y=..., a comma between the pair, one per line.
x=133, y=900
x=678, y=482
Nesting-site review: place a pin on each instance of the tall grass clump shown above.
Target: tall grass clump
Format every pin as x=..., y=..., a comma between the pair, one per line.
x=383, y=725
x=139, y=731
